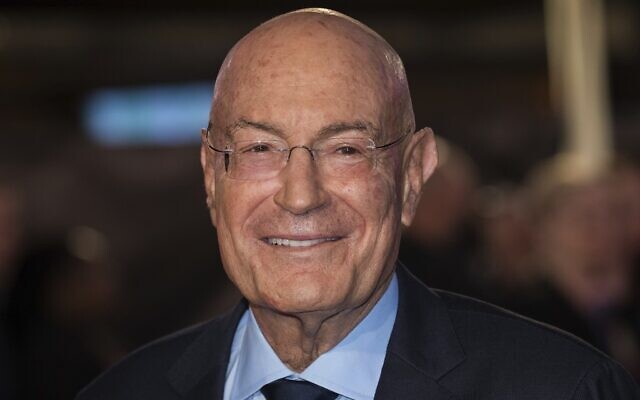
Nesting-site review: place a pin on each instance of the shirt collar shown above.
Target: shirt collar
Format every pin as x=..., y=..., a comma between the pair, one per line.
x=352, y=368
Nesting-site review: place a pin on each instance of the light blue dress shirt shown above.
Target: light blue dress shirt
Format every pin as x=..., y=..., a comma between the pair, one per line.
x=352, y=368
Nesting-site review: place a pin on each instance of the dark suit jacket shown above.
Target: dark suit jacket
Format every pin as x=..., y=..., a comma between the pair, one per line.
x=443, y=346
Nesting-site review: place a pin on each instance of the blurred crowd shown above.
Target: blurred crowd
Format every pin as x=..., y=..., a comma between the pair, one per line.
x=69, y=308
x=59, y=299
x=563, y=247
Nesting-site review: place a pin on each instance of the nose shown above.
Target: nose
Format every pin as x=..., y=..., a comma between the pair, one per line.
x=301, y=190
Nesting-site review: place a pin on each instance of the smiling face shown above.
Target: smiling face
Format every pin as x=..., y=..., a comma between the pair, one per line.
x=304, y=241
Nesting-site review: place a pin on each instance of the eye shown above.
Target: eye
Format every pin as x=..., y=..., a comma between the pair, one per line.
x=347, y=150
x=259, y=148
x=256, y=147
x=344, y=149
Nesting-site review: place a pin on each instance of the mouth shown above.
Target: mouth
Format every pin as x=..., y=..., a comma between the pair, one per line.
x=275, y=241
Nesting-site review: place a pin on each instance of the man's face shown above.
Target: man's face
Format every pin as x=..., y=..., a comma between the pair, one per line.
x=348, y=226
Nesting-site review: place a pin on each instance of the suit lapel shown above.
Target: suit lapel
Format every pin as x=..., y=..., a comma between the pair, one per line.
x=402, y=380
x=423, y=345
x=422, y=348
x=200, y=371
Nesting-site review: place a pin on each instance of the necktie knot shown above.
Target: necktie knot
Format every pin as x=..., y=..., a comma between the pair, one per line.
x=287, y=389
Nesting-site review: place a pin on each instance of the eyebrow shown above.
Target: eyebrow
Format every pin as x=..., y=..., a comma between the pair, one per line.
x=326, y=131
x=245, y=123
x=358, y=125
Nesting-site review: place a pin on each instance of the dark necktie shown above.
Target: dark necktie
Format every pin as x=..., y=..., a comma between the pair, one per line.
x=286, y=389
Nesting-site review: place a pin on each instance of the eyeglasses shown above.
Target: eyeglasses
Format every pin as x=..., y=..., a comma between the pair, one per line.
x=341, y=157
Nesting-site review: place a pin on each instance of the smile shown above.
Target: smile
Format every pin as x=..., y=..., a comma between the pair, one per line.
x=298, y=243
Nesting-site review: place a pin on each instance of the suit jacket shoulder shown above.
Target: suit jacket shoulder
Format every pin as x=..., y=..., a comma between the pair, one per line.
x=551, y=362
x=187, y=364
x=457, y=347
x=443, y=346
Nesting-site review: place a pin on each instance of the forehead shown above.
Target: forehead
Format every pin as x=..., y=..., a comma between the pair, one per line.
x=302, y=84
x=305, y=108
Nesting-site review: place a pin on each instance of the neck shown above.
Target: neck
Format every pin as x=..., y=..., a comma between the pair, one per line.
x=299, y=339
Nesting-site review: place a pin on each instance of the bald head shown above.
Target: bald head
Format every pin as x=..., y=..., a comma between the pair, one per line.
x=315, y=49
x=326, y=86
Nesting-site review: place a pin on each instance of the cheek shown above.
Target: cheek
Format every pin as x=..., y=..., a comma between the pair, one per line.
x=376, y=202
x=387, y=193
x=386, y=190
x=359, y=200
x=236, y=201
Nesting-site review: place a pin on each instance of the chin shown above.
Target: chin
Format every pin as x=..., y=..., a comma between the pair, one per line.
x=299, y=296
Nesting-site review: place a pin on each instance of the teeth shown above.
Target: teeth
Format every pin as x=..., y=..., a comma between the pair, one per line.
x=296, y=243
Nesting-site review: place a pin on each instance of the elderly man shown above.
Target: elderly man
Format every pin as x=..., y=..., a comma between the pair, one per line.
x=311, y=166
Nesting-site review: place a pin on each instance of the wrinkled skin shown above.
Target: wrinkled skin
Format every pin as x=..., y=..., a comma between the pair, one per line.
x=299, y=74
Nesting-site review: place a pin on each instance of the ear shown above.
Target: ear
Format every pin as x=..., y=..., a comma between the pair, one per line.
x=207, y=162
x=421, y=159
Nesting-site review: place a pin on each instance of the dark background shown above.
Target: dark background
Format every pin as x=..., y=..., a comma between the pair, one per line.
x=477, y=70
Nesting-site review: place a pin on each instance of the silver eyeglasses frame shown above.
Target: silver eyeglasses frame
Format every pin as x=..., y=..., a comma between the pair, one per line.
x=228, y=152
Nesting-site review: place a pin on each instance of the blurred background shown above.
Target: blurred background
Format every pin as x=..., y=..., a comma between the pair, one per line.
x=105, y=239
